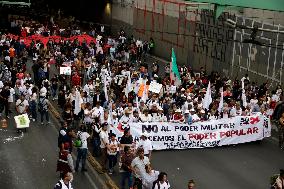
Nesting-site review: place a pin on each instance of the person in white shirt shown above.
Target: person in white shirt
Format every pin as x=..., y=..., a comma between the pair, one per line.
x=97, y=110
x=149, y=177
x=104, y=144
x=195, y=117
x=146, y=144
x=162, y=182
x=112, y=152
x=22, y=105
x=146, y=117
x=138, y=166
x=126, y=119
x=83, y=150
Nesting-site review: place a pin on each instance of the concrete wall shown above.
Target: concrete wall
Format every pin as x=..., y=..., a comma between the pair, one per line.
x=200, y=40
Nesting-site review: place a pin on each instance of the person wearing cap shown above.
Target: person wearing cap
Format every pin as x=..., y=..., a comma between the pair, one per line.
x=202, y=115
x=178, y=117
x=146, y=144
x=104, y=144
x=142, y=106
x=195, y=117
x=161, y=116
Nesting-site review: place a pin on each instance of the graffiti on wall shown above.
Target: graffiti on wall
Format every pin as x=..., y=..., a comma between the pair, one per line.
x=213, y=37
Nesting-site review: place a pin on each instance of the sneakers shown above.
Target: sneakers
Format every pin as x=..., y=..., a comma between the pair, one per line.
x=110, y=172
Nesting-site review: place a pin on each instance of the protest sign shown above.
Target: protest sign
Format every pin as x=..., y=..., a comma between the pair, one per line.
x=65, y=70
x=227, y=131
x=22, y=121
x=155, y=87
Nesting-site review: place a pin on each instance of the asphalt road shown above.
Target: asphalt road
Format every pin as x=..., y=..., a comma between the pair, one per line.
x=28, y=160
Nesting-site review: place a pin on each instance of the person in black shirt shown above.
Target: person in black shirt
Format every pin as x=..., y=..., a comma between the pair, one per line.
x=96, y=127
x=126, y=138
x=4, y=95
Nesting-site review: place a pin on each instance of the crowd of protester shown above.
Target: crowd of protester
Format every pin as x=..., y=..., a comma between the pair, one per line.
x=105, y=80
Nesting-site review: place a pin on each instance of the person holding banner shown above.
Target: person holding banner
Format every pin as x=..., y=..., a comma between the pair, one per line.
x=146, y=144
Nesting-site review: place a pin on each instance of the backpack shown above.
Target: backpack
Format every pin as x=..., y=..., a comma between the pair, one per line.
x=158, y=183
x=78, y=141
x=41, y=104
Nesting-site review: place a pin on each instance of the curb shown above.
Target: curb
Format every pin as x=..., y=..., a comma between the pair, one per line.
x=107, y=182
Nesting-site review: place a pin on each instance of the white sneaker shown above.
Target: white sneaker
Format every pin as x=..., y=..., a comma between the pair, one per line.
x=33, y=120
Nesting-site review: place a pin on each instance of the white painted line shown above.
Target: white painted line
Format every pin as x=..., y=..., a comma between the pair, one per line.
x=98, y=178
x=91, y=181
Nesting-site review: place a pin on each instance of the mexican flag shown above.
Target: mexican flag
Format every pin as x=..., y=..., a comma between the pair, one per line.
x=174, y=73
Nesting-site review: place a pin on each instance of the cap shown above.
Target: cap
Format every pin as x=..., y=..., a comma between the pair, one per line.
x=114, y=113
x=178, y=111
x=182, y=89
x=155, y=75
x=202, y=111
x=192, y=110
x=186, y=112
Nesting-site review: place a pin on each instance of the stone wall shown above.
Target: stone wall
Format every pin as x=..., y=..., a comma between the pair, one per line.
x=200, y=40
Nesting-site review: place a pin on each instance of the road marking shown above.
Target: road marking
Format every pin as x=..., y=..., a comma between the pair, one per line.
x=88, y=164
x=91, y=181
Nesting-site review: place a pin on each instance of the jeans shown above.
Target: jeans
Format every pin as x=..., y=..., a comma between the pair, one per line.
x=82, y=155
x=42, y=114
x=53, y=92
x=96, y=146
x=112, y=160
x=124, y=176
x=32, y=107
x=4, y=105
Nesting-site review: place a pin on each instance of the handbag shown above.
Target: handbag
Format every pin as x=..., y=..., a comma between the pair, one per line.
x=78, y=142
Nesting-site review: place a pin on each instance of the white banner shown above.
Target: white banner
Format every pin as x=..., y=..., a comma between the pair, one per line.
x=166, y=135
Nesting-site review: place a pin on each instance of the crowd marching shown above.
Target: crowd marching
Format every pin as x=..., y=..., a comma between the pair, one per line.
x=108, y=84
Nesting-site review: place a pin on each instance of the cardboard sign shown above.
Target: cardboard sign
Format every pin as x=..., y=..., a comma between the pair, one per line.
x=155, y=87
x=65, y=70
x=22, y=121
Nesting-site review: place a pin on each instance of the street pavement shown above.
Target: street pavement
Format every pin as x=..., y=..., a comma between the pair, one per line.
x=28, y=160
